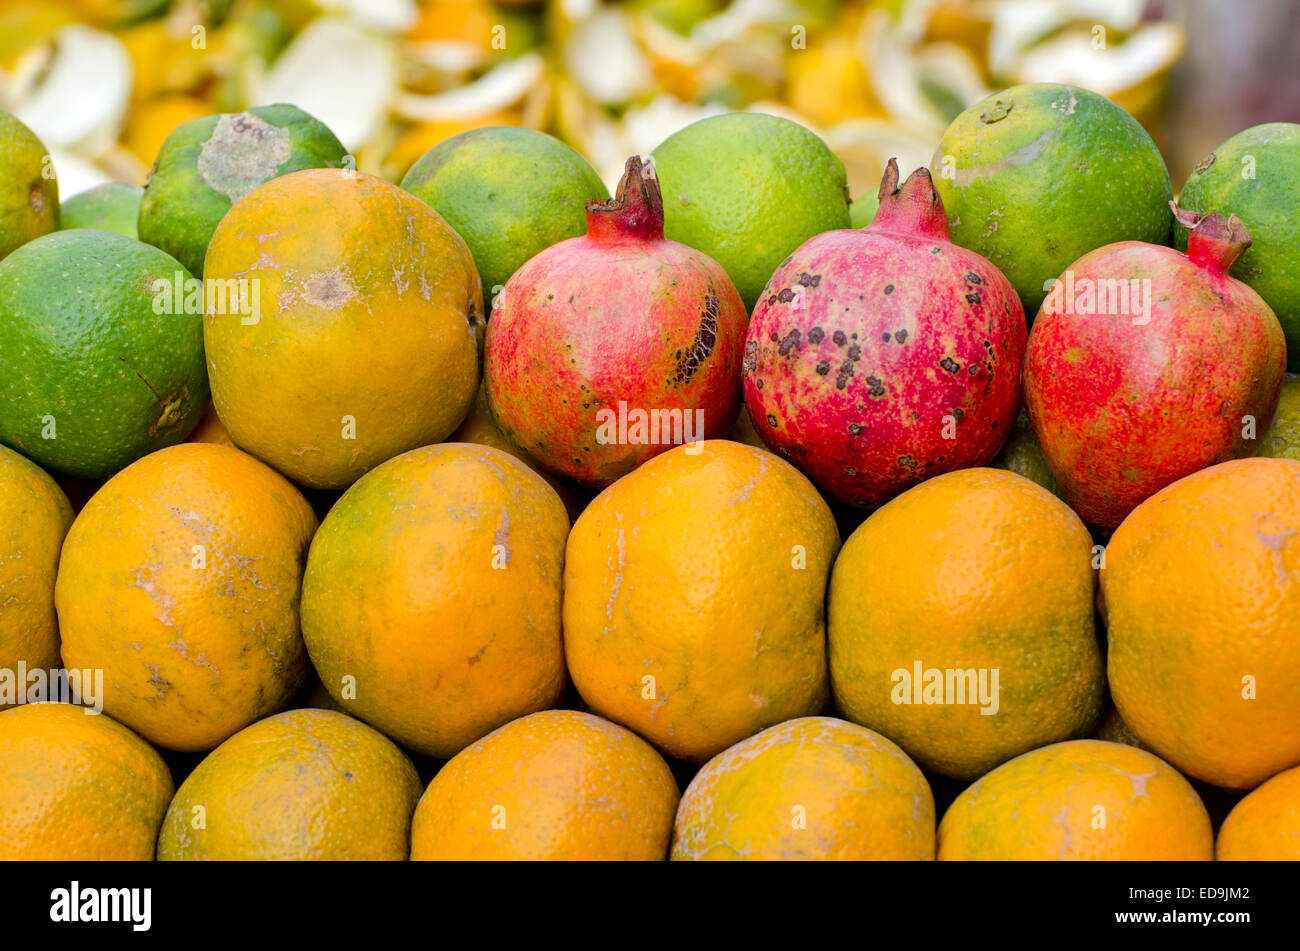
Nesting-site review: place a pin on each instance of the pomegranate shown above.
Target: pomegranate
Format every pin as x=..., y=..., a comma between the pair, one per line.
x=1146, y=364
x=878, y=358
x=606, y=349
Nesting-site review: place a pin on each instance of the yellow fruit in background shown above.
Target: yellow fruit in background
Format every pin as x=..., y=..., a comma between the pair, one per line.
x=554, y=785
x=301, y=785
x=973, y=575
x=828, y=81
x=694, y=595
x=149, y=124
x=180, y=580
x=1084, y=799
x=1265, y=826
x=77, y=786
x=367, y=341
x=431, y=600
x=34, y=517
x=1202, y=591
x=811, y=788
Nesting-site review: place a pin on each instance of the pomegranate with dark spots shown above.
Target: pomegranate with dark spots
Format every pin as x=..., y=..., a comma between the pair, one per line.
x=878, y=358
x=1146, y=364
x=606, y=349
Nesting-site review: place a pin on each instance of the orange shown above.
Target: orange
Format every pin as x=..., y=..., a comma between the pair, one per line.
x=1202, y=591
x=1084, y=799
x=961, y=622
x=693, y=597
x=431, y=600
x=366, y=339
x=554, y=785
x=301, y=785
x=1264, y=826
x=811, y=788
x=34, y=517
x=210, y=429
x=77, y=786
x=180, y=579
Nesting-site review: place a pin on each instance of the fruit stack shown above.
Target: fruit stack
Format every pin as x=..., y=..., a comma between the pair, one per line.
x=491, y=516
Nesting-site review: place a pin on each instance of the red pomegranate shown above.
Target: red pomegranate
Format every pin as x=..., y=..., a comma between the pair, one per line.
x=607, y=349
x=1146, y=364
x=878, y=358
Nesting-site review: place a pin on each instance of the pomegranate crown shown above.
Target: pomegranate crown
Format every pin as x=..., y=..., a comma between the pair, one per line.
x=1214, y=241
x=635, y=211
x=915, y=208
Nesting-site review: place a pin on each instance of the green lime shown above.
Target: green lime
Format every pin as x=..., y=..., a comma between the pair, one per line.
x=1036, y=176
x=97, y=367
x=29, y=192
x=1256, y=176
x=509, y=192
x=1282, y=441
x=747, y=189
x=209, y=163
x=863, y=209
x=113, y=207
x=1022, y=455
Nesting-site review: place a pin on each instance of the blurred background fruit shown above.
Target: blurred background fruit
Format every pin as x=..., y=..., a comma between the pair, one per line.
x=103, y=82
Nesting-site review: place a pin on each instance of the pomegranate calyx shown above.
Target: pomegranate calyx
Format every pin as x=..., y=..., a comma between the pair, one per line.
x=1214, y=242
x=635, y=211
x=914, y=209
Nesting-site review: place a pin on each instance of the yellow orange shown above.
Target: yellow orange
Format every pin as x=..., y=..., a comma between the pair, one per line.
x=1083, y=799
x=693, y=597
x=554, y=785
x=810, y=788
x=34, y=517
x=300, y=785
x=180, y=580
x=367, y=339
x=1264, y=826
x=431, y=600
x=77, y=786
x=961, y=622
x=1202, y=592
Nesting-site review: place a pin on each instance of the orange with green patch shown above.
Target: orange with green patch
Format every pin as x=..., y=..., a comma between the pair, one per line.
x=366, y=340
